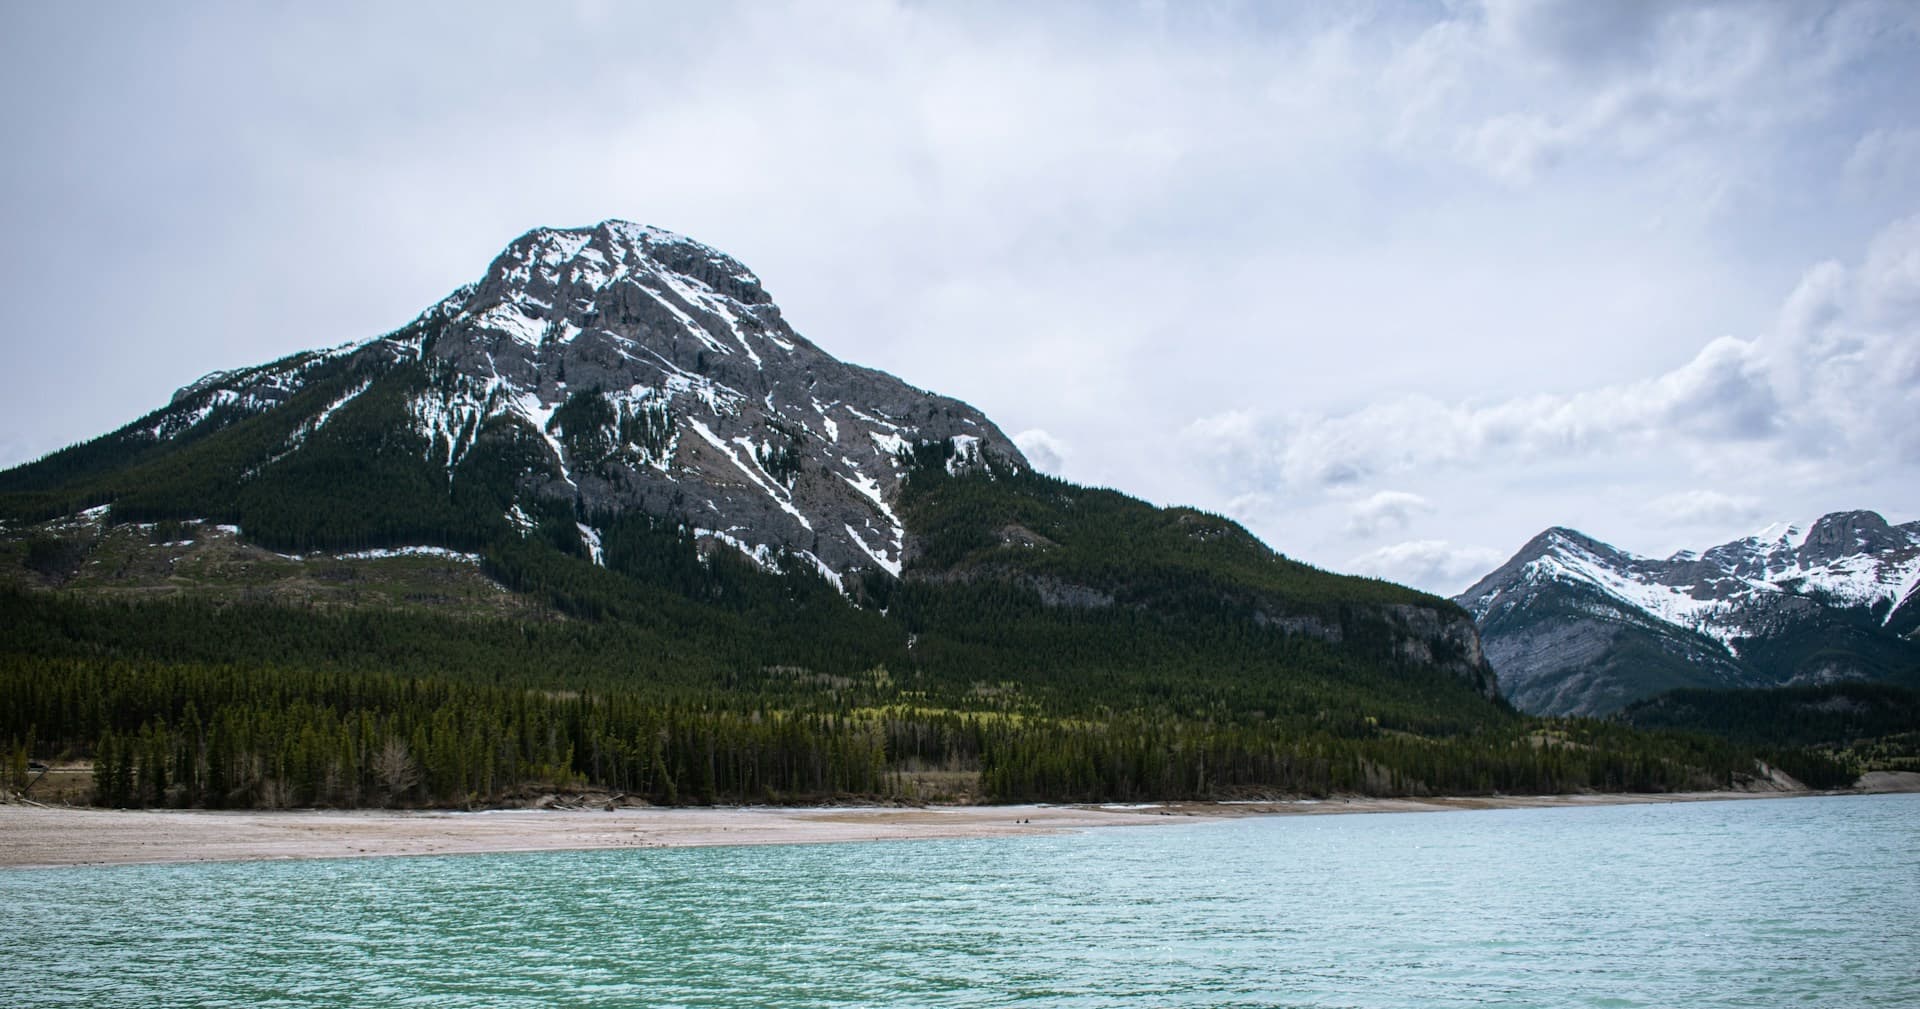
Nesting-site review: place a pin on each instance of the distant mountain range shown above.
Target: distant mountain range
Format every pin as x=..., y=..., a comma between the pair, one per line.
x=1575, y=626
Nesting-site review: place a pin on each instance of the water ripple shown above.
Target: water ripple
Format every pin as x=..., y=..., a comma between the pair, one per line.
x=1810, y=902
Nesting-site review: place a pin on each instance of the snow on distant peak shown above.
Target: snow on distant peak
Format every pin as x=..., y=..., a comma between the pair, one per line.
x=1773, y=563
x=1792, y=534
x=1858, y=580
x=1574, y=562
x=551, y=249
x=648, y=235
x=201, y=384
x=562, y=246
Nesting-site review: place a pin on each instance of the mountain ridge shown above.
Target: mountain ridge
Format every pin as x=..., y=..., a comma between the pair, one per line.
x=1575, y=626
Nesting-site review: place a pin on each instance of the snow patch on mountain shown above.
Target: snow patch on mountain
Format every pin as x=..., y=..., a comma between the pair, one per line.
x=1673, y=604
x=890, y=564
x=1734, y=593
x=385, y=552
x=177, y=423
x=591, y=538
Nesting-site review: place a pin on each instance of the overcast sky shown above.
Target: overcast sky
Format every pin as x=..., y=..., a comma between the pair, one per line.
x=1397, y=285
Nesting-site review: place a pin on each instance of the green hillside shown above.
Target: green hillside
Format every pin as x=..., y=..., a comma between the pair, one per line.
x=765, y=688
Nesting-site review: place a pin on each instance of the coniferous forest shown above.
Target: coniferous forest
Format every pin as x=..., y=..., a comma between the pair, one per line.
x=328, y=730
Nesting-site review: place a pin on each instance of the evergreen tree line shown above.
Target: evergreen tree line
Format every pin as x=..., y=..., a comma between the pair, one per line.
x=1829, y=715
x=227, y=736
x=1815, y=733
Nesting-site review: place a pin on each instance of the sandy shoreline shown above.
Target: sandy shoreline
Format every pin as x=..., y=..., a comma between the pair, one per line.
x=49, y=836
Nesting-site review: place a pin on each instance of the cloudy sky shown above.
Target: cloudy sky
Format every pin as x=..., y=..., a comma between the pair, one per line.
x=1398, y=285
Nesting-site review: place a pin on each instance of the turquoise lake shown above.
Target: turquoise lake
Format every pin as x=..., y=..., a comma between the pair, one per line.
x=1803, y=902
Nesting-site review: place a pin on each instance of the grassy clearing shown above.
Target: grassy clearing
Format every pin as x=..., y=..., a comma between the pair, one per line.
x=135, y=562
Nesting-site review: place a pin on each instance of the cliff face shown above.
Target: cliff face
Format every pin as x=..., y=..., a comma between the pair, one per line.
x=1444, y=638
x=1448, y=640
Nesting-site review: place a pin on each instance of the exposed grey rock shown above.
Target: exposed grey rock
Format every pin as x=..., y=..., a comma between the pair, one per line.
x=1308, y=626
x=1054, y=592
x=1439, y=637
x=1446, y=640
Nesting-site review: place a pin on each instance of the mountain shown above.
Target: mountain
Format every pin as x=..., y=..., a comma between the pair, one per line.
x=1574, y=626
x=605, y=508
x=600, y=370
x=598, y=378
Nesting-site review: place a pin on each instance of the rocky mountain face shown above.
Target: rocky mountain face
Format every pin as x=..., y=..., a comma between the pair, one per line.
x=1574, y=626
x=656, y=375
x=632, y=399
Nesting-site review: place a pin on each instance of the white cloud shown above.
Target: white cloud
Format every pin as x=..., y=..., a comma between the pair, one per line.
x=1434, y=565
x=1846, y=355
x=1886, y=159
x=1386, y=511
x=1836, y=379
x=1514, y=148
x=1704, y=507
x=1471, y=251
x=1047, y=453
x=1670, y=88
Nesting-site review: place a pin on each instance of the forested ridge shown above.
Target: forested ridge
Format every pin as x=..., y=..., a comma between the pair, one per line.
x=1866, y=725
x=1046, y=642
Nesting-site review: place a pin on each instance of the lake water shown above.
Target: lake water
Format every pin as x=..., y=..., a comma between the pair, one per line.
x=1805, y=902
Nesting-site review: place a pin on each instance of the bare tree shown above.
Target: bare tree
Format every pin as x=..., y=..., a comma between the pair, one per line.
x=395, y=768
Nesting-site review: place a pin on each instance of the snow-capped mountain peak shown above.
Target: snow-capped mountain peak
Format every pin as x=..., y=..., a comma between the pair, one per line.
x=1720, y=610
x=654, y=373
x=1847, y=559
